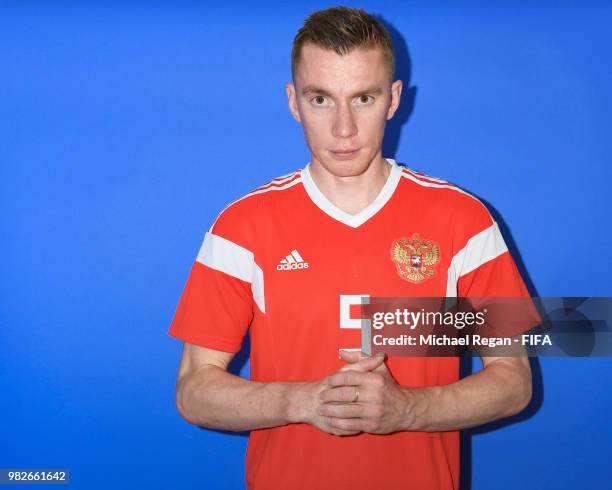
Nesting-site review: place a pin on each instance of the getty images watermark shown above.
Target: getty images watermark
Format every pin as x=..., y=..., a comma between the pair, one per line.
x=553, y=326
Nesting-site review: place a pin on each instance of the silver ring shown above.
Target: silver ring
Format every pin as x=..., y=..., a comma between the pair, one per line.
x=356, y=395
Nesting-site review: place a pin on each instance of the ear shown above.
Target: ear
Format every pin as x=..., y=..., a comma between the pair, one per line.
x=292, y=100
x=396, y=93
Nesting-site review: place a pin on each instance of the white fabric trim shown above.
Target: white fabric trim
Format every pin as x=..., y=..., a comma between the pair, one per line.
x=224, y=255
x=410, y=176
x=280, y=180
x=352, y=220
x=425, y=176
x=480, y=249
x=283, y=177
x=267, y=189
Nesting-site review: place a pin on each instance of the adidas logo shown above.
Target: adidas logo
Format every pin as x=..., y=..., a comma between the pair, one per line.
x=293, y=261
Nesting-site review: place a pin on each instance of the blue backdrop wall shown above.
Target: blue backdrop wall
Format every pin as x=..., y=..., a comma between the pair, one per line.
x=127, y=126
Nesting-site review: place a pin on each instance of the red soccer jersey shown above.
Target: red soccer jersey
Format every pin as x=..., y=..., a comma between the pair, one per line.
x=288, y=263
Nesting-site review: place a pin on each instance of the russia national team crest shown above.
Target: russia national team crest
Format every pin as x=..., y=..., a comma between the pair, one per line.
x=415, y=259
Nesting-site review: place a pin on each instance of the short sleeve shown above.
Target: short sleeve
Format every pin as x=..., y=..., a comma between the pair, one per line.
x=487, y=268
x=216, y=306
x=485, y=272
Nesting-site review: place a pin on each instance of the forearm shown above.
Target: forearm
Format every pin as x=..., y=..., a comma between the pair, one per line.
x=500, y=390
x=211, y=397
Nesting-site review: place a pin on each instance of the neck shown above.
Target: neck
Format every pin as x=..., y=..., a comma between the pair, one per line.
x=352, y=193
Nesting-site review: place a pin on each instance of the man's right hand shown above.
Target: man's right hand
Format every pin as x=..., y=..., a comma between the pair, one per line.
x=307, y=400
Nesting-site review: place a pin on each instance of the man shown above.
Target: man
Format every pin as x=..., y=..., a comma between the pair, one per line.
x=288, y=260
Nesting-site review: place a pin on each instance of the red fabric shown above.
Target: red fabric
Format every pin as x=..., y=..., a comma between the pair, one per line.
x=299, y=335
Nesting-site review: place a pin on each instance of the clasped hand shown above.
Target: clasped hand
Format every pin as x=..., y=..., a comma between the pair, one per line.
x=362, y=396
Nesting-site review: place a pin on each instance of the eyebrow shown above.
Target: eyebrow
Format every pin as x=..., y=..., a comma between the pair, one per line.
x=313, y=89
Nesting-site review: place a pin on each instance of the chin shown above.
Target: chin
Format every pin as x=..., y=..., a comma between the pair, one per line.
x=346, y=168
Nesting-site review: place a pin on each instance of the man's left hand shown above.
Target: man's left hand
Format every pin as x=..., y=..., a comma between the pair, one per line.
x=368, y=401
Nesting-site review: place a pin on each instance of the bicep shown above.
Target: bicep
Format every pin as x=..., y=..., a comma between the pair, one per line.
x=196, y=357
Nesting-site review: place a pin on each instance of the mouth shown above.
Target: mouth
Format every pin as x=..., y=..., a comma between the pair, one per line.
x=345, y=154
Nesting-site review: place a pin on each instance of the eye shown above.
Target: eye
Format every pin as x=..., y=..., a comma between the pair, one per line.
x=318, y=100
x=365, y=99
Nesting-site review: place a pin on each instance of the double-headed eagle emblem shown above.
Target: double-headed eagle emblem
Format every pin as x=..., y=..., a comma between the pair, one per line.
x=415, y=259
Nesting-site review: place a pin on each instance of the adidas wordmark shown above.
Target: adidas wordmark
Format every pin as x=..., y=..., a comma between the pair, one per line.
x=293, y=261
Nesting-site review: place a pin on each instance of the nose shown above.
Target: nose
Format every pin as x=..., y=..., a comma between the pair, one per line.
x=344, y=125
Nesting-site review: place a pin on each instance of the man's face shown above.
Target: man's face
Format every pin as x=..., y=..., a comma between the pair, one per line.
x=343, y=104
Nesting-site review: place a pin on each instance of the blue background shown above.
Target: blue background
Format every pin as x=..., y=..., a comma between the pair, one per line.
x=126, y=127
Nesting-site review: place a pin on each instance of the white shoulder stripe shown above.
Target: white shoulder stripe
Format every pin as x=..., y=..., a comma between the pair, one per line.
x=282, y=178
x=424, y=176
x=436, y=185
x=480, y=249
x=276, y=181
x=226, y=256
x=266, y=189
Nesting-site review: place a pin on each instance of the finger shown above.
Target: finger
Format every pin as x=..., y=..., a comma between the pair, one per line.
x=342, y=410
x=347, y=424
x=384, y=370
x=340, y=394
x=351, y=356
x=364, y=365
x=339, y=432
x=382, y=367
x=355, y=356
x=346, y=378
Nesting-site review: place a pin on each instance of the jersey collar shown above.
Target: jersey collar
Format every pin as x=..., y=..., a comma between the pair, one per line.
x=352, y=220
